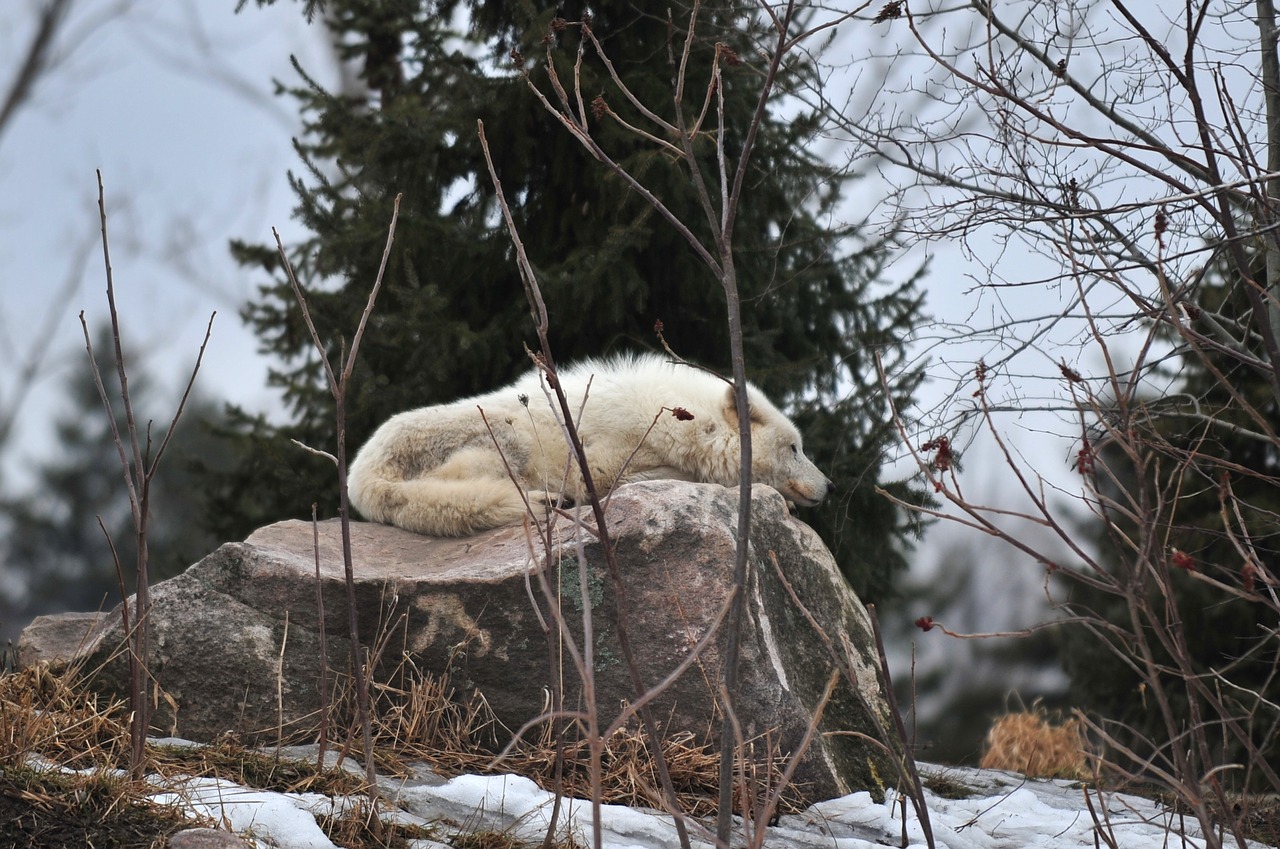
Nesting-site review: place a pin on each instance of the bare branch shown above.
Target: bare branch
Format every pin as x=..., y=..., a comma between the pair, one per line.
x=34, y=61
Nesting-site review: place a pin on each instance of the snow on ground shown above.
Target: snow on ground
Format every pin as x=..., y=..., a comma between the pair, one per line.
x=278, y=819
x=1004, y=811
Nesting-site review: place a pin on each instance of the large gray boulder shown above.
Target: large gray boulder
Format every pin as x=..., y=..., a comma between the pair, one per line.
x=236, y=637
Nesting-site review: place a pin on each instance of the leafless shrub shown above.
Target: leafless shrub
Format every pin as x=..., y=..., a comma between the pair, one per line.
x=139, y=462
x=1113, y=172
x=338, y=380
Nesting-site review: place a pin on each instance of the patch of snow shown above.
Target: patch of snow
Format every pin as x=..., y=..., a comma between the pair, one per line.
x=1004, y=811
x=283, y=820
x=1009, y=812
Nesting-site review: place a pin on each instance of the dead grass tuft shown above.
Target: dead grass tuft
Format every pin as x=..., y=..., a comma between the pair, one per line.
x=424, y=719
x=58, y=717
x=353, y=830
x=263, y=771
x=1031, y=743
x=52, y=810
x=486, y=840
x=48, y=713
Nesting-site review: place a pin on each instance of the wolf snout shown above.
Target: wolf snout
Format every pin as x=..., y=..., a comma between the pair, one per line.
x=807, y=493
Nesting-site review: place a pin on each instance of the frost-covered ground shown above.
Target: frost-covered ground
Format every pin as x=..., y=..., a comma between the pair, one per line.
x=1003, y=812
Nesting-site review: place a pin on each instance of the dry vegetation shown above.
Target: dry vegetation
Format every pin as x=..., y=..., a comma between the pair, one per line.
x=41, y=716
x=422, y=719
x=46, y=809
x=47, y=716
x=53, y=717
x=1033, y=743
x=1041, y=744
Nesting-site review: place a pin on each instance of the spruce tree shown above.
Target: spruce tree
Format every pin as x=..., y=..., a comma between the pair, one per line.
x=452, y=319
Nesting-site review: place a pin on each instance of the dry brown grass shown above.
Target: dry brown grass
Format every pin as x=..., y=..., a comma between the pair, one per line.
x=251, y=768
x=1032, y=743
x=422, y=718
x=487, y=840
x=56, y=716
x=52, y=810
x=47, y=713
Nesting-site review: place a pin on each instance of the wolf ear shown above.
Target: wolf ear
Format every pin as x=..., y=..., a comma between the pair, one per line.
x=730, y=409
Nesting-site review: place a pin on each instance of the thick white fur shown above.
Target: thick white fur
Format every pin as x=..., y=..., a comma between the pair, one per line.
x=436, y=470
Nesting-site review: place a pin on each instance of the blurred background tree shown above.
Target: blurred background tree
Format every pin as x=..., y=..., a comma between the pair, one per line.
x=55, y=553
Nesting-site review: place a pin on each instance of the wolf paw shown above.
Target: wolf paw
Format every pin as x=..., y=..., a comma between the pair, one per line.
x=541, y=498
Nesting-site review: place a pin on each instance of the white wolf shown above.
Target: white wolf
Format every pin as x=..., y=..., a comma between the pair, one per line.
x=440, y=471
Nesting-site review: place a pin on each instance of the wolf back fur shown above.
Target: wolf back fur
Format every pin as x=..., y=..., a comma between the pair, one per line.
x=442, y=471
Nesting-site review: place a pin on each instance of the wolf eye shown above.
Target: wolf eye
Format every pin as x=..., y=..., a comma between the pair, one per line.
x=794, y=449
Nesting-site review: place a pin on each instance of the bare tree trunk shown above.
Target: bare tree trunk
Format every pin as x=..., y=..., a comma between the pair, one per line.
x=1270, y=213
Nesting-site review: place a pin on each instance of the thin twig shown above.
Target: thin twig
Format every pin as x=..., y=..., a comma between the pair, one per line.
x=362, y=660
x=908, y=761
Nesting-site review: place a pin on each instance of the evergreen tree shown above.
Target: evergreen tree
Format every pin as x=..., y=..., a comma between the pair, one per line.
x=1225, y=635
x=55, y=551
x=452, y=319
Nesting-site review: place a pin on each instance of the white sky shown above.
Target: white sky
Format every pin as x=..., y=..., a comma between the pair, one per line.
x=172, y=101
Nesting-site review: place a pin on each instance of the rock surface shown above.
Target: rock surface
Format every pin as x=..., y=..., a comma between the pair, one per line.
x=205, y=838
x=236, y=637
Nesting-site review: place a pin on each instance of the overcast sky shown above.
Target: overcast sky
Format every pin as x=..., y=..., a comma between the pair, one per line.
x=173, y=102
